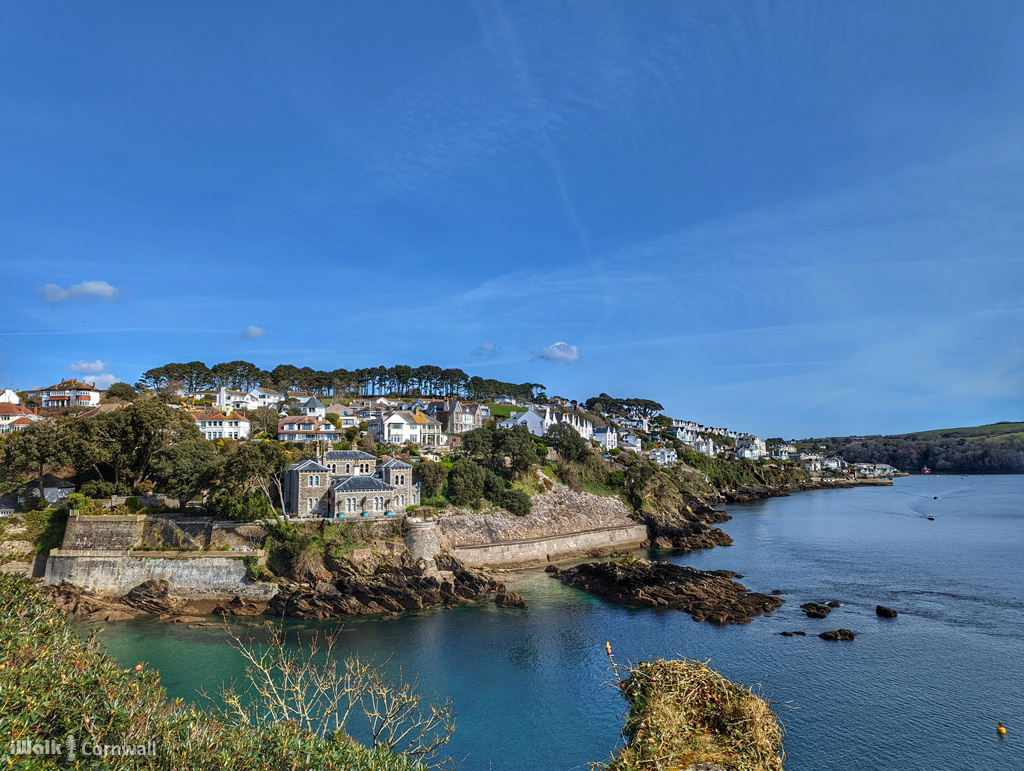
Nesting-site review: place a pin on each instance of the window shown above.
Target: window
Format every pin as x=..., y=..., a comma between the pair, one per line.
x=401, y=500
x=309, y=505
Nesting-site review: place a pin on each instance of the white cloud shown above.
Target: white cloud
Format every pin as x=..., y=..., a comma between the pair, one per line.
x=95, y=290
x=486, y=349
x=88, y=367
x=559, y=352
x=105, y=380
x=253, y=332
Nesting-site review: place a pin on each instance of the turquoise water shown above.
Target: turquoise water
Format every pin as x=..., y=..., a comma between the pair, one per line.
x=921, y=692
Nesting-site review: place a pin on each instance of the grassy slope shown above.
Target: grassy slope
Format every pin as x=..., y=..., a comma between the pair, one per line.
x=1000, y=431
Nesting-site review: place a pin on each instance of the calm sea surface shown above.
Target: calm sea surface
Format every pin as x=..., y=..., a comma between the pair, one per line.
x=921, y=692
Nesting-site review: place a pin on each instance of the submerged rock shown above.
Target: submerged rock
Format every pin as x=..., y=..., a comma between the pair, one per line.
x=837, y=634
x=815, y=609
x=885, y=612
x=705, y=596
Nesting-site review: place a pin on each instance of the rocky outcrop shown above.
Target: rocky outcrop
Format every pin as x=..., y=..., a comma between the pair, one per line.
x=689, y=526
x=837, y=634
x=405, y=585
x=509, y=600
x=706, y=596
x=885, y=612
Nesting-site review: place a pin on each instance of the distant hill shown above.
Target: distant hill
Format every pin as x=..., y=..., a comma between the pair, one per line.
x=996, y=448
x=1000, y=432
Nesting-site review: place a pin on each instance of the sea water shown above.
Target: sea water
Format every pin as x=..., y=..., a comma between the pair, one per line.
x=922, y=691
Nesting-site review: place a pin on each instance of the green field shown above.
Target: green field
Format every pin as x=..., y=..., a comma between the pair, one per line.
x=501, y=410
x=999, y=432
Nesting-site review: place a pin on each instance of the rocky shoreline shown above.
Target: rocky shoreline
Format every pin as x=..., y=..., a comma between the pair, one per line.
x=707, y=596
x=387, y=588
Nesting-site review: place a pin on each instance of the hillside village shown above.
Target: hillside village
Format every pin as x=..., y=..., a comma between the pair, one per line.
x=337, y=480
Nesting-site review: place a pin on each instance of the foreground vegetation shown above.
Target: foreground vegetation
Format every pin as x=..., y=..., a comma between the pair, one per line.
x=54, y=684
x=683, y=713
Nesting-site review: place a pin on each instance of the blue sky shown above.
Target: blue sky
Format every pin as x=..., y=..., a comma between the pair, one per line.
x=790, y=218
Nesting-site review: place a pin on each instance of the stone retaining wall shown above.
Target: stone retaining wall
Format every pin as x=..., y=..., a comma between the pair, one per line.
x=189, y=573
x=541, y=551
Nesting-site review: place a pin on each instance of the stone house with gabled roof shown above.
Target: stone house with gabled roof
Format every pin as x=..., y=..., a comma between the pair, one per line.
x=348, y=483
x=306, y=486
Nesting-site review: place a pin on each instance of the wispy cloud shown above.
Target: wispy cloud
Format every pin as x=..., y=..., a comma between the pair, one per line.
x=253, y=332
x=559, y=352
x=87, y=290
x=486, y=349
x=88, y=367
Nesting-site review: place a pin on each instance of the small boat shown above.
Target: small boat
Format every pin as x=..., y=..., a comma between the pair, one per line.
x=932, y=519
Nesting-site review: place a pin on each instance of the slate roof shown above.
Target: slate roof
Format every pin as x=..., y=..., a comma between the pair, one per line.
x=308, y=465
x=361, y=484
x=394, y=464
x=49, y=480
x=348, y=455
x=8, y=501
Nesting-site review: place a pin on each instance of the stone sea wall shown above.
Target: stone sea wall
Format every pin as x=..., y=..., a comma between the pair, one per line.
x=114, y=574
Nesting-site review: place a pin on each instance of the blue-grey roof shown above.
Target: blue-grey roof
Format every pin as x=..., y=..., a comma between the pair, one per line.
x=394, y=464
x=307, y=465
x=49, y=481
x=348, y=455
x=361, y=484
x=8, y=501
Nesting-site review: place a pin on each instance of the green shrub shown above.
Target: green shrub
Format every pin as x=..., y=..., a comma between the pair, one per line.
x=54, y=684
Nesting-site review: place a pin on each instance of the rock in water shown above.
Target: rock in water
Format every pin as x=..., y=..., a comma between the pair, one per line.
x=837, y=634
x=152, y=596
x=815, y=609
x=705, y=596
x=509, y=600
x=885, y=612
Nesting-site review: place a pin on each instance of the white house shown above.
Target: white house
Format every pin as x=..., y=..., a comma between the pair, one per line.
x=8, y=504
x=782, y=451
x=55, y=489
x=405, y=427
x=576, y=422
x=310, y=407
x=214, y=424
x=706, y=447
x=629, y=441
x=505, y=399
x=247, y=400
x=531, y=420
x=70, y=393
x=607, y=437
x=663, y=457
x=7, y=396
x=14, y=417
x=305, y=429
x=750, y=447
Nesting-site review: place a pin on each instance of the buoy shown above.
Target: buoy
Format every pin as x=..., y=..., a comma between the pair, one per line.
x=1001, y=730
